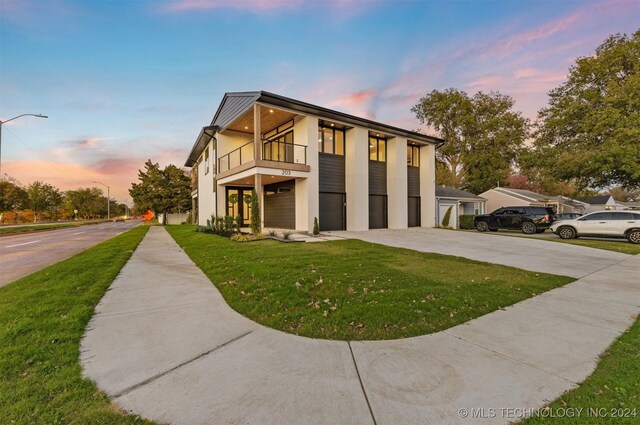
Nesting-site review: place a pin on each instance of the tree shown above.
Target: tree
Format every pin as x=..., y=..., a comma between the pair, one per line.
x=89, y=202
x=162, y=191
x=483, y=136
x=12, y=196
x=43, y=197
x=590, y=133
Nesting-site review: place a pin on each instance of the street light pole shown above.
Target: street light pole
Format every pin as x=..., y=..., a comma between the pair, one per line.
x=108, y=200
x=11, y=119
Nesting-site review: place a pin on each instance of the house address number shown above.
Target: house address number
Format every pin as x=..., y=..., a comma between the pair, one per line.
x=286, y=172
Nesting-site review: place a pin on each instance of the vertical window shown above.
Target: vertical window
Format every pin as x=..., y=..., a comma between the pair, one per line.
x=327, y=138
x=339, y=137
x=413, y=156
x=377, y=149
x=206, y=160
x=331, y=140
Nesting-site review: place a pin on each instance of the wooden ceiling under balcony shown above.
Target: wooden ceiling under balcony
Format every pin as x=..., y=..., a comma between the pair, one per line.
x=270, y=118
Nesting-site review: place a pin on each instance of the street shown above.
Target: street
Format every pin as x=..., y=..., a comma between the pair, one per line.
x=25, y=253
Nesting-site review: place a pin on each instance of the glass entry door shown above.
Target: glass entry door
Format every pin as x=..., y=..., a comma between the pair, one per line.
x=239, y=203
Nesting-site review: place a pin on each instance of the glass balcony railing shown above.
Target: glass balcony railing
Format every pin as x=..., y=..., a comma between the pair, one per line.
x=271, y=151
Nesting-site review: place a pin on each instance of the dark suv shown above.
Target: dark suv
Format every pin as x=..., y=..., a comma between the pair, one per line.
x=528, y=219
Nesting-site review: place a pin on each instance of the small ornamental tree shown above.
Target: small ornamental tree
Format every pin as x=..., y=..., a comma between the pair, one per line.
x=255, y=214
x=447, y=217
x=316, y=226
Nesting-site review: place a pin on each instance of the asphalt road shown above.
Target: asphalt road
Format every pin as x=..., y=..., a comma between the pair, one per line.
x=23, y=254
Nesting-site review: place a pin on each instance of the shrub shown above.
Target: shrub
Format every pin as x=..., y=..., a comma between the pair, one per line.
x=238, y=223
x=272, y=233
x=466, y=221
x=447, y=217
x=255, y=214
x=286, y=235
x=316, y=226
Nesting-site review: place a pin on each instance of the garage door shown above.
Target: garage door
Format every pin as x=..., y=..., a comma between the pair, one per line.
x=332, y=211
x=377, y=211
x=280, y=206
x=414, y=211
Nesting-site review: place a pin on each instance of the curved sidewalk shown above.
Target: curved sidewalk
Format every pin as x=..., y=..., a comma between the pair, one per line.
x=164, y=344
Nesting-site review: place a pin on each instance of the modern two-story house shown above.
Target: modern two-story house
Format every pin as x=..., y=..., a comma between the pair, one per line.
x=305, y=162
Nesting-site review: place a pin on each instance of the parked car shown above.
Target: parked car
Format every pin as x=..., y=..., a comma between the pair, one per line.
x=601, y=224
x=568, y=216
x=527, y=219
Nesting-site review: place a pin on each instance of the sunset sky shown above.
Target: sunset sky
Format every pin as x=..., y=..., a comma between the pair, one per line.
x=124, y=81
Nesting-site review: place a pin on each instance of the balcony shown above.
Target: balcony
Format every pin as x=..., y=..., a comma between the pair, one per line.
x=279, y=155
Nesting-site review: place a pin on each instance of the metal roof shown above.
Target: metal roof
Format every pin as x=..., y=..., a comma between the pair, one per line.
x=234, y=104
x=595, y=200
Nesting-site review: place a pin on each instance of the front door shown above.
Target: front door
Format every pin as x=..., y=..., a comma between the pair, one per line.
x=239, y=203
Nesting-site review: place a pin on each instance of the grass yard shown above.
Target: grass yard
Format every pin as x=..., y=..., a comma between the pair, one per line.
x=354, y=290
x=41, y=227
x=613, y=390
x=42, y=319
x=617, y=245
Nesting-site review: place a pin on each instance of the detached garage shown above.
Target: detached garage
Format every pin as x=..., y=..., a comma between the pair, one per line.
x=459, y=201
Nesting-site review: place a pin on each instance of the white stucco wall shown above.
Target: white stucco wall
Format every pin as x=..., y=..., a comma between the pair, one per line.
x=397, y=193
x=428, y=186
x=305, y=132
x=206, y=197
x=357, y=178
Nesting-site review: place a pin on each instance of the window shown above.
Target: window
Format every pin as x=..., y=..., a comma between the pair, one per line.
x=413, y=156
x=279, y=144
x=206, y=160
x=377, y=149
x=331, y=140
x=597, y=216
x=279, y=129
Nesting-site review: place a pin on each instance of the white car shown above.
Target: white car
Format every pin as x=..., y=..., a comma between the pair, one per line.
x=601, y=224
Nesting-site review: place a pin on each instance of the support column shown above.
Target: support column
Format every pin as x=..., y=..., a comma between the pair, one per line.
x=357, y=178
x=305, y=133
x=428, y=185
x=257, y=133
x=397, y=194
x=258, y=188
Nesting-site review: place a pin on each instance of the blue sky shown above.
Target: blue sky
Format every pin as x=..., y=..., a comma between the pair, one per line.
x=123, y=81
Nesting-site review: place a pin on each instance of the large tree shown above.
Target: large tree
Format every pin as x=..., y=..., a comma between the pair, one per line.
x=89, y=202
x=483, y=136
x=12, y=195
x=590, y=133
x=43, y=197
x=161, y=190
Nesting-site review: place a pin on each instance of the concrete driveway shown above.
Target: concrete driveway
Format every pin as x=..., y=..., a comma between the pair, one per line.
x=164, y=344
x=525, y=253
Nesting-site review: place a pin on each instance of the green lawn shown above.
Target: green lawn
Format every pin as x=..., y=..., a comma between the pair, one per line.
x=614, y=387
x=622, y=246
x=42, y=319
x=41, y=227
x=354, y=290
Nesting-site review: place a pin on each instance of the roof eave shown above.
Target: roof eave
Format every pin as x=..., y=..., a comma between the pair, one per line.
x=206, y=134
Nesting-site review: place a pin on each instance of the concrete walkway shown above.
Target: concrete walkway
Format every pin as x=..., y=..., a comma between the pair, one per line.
x=164, y=344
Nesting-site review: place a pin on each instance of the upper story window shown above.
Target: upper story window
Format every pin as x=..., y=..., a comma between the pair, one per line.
x=206, y=160
x=413, y=156
x=377, y=148
x=282, y=128
x=331, y=140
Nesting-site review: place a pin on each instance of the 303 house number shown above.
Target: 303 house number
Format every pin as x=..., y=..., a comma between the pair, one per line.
x=286, y=172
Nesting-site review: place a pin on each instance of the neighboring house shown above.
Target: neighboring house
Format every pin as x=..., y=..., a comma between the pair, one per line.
x=461, y=203
x=599, y=203
x=506, y=197
x=305, y=161
x=628, y=205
